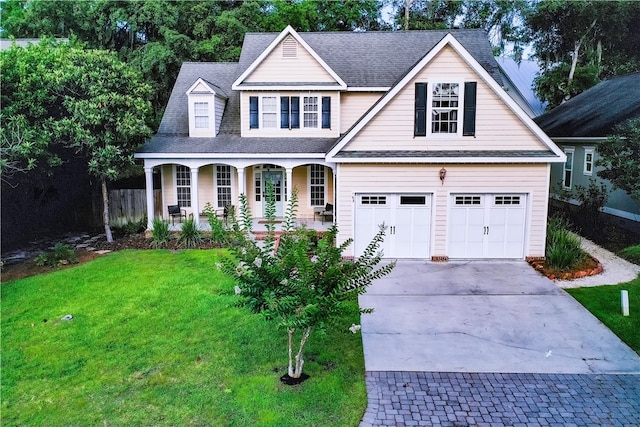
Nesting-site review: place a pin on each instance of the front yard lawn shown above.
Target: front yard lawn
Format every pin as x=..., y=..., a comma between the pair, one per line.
x=156, y=340
x=604, y=303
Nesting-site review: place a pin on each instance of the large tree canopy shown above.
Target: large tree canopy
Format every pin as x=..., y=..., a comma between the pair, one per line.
x=579, y=43
x=55, y=94
x=620, y=158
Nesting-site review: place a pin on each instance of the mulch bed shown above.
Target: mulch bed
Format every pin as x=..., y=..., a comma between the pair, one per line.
x=589, y=267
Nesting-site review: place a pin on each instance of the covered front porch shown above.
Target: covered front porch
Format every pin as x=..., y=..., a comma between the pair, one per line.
x=259, y=225
x=198, y=186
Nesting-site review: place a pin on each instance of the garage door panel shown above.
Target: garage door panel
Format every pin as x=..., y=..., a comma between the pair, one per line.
x=408, y=218
x=487, y=226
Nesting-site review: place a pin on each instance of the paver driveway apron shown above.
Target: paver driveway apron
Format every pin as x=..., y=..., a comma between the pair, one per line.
x=483, y=316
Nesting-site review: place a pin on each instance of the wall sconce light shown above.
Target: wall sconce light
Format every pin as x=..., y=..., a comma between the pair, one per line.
x=443, y=174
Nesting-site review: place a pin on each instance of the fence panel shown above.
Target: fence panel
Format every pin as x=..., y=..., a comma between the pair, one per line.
x=129, y=205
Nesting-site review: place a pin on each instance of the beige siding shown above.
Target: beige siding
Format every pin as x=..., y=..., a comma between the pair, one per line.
x=276, y=69
x=497, y=127
x=276, y=132
x=168, y=188
x=376, y=178
x=353, y=105
x=205, y=186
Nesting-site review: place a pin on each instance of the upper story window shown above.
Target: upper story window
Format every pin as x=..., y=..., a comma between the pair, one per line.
x=201, y=113
x=438, y=108
x=568, y=168
x=588, y=161
x=269, y=112
x=310, y=105
x=264, y=112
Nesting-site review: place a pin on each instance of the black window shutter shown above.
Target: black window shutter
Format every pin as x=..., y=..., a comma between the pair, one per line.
x=253, y=112
x=420, y=127
x=295, y=112
x=469, y=119
x=284, y=112
x=326, y=112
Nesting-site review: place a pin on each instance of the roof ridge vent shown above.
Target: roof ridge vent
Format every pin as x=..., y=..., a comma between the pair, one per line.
x=289, y=47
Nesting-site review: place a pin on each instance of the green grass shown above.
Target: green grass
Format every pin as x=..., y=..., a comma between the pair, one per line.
x=156, y=340
x=604, y=303
x=632, y=253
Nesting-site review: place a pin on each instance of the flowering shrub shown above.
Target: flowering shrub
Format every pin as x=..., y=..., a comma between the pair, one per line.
x=305, y=284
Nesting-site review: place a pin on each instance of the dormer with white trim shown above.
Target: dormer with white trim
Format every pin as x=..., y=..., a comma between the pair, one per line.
x=206, y=105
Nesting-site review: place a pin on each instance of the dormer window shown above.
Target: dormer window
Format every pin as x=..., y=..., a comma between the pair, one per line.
x=289, y=48
x=201, y=112
x=206, y=103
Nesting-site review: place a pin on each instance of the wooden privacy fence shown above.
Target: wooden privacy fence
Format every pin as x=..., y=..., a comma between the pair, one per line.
x=130, y=205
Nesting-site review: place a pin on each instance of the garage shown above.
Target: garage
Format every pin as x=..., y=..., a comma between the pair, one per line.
x=487, y=226
x=407, y=216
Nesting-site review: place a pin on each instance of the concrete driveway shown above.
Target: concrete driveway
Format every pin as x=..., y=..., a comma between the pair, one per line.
x=481, y=316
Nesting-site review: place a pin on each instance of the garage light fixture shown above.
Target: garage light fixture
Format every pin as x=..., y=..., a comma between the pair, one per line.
x=443, y=174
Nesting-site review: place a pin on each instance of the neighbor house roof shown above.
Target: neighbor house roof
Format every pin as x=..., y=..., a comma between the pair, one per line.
x=596, y=111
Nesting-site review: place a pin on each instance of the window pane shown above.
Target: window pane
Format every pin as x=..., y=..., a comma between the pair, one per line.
x=202, y=122
x=413, y=200
x=444, y=103
x=183, y=186
x=310, y=109
x=317, y=185
x=269, y=112
x=223, y=185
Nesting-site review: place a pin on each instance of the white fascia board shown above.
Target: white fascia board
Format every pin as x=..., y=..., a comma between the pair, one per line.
x=254, y=87
x=369, y=89
x=266, y=156
x=448, y=160
x=450, y=40
x=200, y=81
x=287, y=31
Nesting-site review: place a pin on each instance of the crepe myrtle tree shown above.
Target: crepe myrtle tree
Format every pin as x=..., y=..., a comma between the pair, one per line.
x=301, y=281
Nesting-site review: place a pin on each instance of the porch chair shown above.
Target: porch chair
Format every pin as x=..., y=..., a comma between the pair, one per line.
x=325, y=213
x=226, y=212
x=175, y=211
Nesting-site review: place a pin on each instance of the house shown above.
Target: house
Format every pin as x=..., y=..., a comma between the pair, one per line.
x=583, y=122
x=410, y=129
x=517, y=80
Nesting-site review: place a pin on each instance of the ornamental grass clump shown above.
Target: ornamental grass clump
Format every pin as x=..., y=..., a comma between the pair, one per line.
x=304, y=284
x=563, y=251
x=190, y=235
x=160, y=234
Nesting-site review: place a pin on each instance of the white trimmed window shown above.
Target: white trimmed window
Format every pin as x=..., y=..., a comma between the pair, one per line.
x=568, y=168
x=445, y=104
x=269, y=112
x=588, y=161
x=317, y=185
x=201, y=114
x=183, y=186
x=310, y=110
x=223, y=185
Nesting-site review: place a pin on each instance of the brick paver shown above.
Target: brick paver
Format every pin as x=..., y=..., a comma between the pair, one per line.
x=488, y=399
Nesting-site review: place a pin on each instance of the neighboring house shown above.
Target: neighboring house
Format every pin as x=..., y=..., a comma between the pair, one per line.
x=517, y=80
x=412, y=129
x=582, y=123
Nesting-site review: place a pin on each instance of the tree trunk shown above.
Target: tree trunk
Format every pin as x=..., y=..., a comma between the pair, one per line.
x=407, y=5
x=574, y=60
x=290, y=372
x=299, y=360
x=105, y=210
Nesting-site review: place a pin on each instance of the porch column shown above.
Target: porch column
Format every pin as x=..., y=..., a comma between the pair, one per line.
x=148, y=175
x=241, y=185
x=289, y=184
x=195, y=204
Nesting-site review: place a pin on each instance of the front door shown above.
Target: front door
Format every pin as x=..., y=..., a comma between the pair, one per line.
x=275, y=177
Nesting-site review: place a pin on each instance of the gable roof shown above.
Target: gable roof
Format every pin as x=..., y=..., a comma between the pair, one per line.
x=289, y=31
x=375, y=59
x=596, y=111
x=447, y=40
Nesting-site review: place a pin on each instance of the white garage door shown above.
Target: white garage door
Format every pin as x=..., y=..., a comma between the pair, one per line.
x=487, y=226
x=407, y=216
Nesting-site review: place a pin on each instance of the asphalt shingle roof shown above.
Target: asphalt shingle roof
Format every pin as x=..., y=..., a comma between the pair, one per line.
x=361, y=59
x=596, y=111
